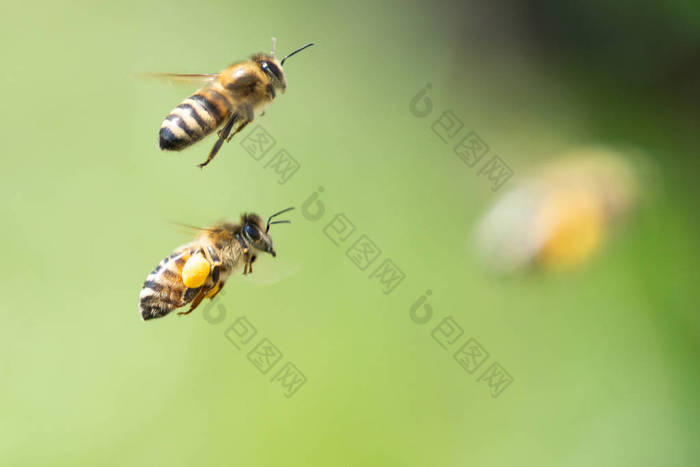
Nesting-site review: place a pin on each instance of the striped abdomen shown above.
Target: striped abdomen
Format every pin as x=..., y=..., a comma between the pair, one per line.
x=193, y=119
x=164, y=289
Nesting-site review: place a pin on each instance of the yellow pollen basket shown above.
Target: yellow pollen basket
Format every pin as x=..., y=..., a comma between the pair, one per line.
x=196, y=271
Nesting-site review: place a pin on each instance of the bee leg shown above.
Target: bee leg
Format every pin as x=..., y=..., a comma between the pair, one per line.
x=215, y=291
x=271, y=94
x=250, y=265
x=195, y=303
x=240, y=127
x=213, y=258
x=249, y=116
x=246, y=266
x=223, y=134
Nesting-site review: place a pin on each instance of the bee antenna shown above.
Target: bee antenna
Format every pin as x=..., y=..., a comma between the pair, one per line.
x=274, y=46
x=267, y=229
x=295, y=52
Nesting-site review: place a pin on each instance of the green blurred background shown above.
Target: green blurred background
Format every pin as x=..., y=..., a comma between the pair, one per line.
x=604, y=358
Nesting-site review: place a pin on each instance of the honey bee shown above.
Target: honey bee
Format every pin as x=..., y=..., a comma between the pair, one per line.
x=199, y=269
x=230, y=98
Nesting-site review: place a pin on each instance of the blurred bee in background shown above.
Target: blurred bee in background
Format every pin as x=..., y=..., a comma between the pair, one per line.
x=199, y=269
x=230, y=98
x=557, y=218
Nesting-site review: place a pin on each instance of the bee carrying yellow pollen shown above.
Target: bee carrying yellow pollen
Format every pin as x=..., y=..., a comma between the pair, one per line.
x=199, y=269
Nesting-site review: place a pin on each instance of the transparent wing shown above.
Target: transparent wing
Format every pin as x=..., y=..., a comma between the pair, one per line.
x=268, y=271
x=193, y=229
x=183, y=78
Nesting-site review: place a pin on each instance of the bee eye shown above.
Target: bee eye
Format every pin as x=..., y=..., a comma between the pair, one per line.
x=271, y=69
x=252, y=231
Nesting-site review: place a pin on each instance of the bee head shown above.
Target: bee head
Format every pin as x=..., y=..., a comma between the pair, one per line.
x=272, y=68
x=253, y=230
x=257, y=233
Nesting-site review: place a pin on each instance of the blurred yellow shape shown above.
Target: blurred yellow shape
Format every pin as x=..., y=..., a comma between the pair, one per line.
x=573, y=226
x=558, y=217
x=196, y=271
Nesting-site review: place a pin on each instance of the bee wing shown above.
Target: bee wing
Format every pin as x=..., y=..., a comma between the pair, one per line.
x=271, y=272
x=184, y=78
x=163, y=291
x=189, y=229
